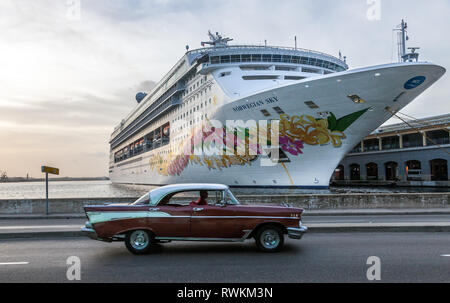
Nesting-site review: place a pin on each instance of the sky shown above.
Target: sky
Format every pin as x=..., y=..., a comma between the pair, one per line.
x=69, y=69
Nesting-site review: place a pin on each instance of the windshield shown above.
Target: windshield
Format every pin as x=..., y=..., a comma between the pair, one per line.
x=230, y=198
x=145, y=199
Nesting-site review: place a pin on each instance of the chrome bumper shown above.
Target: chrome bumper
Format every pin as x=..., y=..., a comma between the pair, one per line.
x=87, y=230
x=297, y=233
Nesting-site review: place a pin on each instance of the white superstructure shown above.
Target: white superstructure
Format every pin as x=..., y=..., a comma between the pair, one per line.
x=324, y=109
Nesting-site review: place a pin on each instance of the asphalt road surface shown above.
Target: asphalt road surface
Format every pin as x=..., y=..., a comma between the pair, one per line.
x=23, y=225
x=405, y=257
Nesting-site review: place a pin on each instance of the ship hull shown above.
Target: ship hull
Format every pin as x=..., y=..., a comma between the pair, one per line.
x=318, y=134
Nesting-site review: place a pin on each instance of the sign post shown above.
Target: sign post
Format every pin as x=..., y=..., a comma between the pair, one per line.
x=48, y=170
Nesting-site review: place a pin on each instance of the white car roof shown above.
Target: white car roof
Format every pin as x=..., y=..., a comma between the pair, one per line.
x=157, y=193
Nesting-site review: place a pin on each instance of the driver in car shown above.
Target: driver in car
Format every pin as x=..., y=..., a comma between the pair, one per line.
x=201, y=200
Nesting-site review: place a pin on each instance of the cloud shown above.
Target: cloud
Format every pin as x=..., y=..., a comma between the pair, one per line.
x=66, y=83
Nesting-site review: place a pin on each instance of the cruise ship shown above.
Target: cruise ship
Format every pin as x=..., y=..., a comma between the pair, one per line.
x=323, y=110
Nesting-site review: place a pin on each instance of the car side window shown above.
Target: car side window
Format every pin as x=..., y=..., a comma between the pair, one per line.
x=216, y=197
x=178, y=199
x=185, y=198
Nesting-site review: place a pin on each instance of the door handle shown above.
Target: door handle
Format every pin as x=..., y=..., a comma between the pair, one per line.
x=198, y=208
x=154, y=209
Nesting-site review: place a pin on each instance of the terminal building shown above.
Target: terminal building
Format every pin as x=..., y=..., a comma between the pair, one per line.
x=411, y=153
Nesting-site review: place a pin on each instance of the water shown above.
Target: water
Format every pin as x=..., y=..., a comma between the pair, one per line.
x=105, y=189
x=69, y=189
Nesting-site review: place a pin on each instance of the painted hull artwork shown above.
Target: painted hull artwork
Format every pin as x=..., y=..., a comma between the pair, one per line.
x=294, y=133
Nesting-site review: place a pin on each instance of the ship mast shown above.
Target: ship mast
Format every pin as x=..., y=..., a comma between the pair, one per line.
x=402, y=38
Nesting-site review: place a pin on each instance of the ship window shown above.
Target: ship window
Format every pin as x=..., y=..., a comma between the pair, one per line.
x=256, y=58
x=235, y=58
x=293, y=78
x=266, y=58
x=286, y=68
x=311, y=104
x=310, y=70
x=279, y=110
x=265, y=113
x=225, y=59
x=260, y=77
x=356, y=99
x=224, y=74
x=295, y=59
x=254, y=67
x=246, y=58
x=276, y=58
x=215, y=59
x=304, y=60
x=286, y=59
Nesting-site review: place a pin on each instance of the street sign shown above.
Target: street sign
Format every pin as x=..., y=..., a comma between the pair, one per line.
x=50, y=170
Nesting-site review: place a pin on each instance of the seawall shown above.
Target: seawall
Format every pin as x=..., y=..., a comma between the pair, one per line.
x=308, y=202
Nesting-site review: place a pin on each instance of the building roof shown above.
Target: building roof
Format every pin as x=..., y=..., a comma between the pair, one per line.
x=429, y=122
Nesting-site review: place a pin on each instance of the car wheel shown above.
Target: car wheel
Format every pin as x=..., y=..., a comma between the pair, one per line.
x=139, y=242
x=269, y=238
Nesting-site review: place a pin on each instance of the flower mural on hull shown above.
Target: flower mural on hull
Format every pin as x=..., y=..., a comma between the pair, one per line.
x=295, y=132
x=294, y=147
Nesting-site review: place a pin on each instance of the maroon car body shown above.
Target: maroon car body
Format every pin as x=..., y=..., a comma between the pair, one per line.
x=166, y=214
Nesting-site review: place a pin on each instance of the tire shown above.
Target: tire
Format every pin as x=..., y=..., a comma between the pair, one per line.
x=269, y=238
x=139, y=242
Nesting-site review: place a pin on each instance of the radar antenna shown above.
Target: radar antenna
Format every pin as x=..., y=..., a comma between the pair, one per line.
x=216, y=40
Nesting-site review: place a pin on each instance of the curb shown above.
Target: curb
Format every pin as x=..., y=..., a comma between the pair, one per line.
x=379, y=229
x=308, y=213
x=40, y=217
x=42, y=235
x=380, y=213
x=325, y=229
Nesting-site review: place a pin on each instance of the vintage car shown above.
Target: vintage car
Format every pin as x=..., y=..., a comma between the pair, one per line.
x=168, y=214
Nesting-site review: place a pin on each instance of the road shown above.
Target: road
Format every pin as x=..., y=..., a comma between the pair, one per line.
x=42, y=225
x=405, y=257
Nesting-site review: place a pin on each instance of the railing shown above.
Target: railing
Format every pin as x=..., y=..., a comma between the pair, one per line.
x=232, y=47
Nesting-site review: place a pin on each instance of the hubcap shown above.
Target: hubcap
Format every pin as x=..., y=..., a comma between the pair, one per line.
x=139, y=239
x=270, y=239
